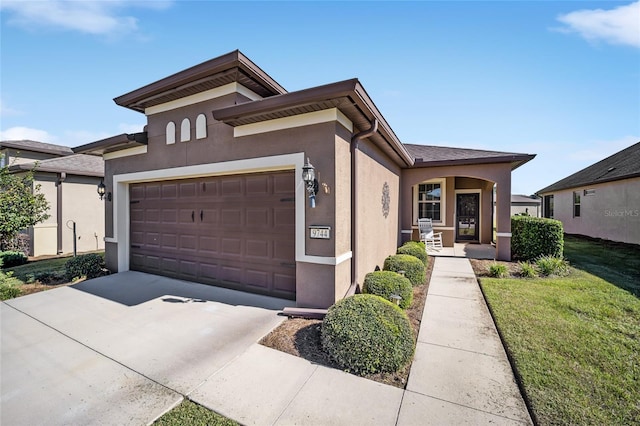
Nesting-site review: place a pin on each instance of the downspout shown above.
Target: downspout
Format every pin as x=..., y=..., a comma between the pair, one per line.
x=354, y=200
x=61, y=177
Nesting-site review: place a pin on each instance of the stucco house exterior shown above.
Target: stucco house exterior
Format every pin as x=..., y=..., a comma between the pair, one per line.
x=69, y=182
x=212, y=190
x=600, y=201
x=526, y=204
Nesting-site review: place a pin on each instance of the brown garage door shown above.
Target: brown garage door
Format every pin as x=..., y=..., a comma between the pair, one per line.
x=232, y=231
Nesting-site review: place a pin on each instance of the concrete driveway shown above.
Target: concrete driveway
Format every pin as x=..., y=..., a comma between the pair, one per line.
x=121, y=349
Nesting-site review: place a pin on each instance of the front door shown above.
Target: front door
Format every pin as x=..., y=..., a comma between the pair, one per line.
x=467, y=217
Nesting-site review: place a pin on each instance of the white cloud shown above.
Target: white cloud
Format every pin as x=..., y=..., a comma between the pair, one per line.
x=91, y=17
x=616, y=26
x=599, y=150
x=22, y=133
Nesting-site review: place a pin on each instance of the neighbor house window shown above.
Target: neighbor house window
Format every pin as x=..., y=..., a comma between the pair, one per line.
x=548, y=206
x=576, y=204
x=430, y=201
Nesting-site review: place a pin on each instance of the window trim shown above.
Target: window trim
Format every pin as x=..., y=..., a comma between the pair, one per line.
x=576, y=195
x=443, y=201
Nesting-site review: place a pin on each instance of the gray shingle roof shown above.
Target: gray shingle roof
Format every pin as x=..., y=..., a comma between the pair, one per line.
x=440, y=155
x=624, y=164
x=35, y=146
x=525, y=199
x=76, y=164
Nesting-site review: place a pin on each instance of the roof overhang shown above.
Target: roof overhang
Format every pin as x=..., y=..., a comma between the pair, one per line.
x=112, y=144
x=516, y=161
x=229, y=68
x=348, y=96
x=19, y=145
x=27, y=167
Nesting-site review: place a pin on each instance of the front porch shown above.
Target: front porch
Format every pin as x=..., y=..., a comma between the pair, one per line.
x=468, y=250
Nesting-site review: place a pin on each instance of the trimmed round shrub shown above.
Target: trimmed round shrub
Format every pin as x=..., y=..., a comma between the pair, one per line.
x=416, y=249
x=412, y=266
x=366, y=334
x=386, y=283
x=9, y=259
x=84, y=265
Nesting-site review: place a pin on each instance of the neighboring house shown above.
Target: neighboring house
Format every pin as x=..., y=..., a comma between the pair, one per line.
x=526, y=204
x=212, y=190
x=600, y=201
x=69, y=182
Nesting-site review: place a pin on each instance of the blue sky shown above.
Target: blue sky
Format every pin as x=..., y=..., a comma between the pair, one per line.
x=557, y=79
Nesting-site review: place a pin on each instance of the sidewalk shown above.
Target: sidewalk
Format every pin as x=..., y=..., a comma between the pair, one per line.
x=460, y=374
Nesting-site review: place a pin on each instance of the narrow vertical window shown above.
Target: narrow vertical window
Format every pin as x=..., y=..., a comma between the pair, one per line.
x=171, y=133
x=576, y=204
x=201, y=126
x=548, y=206
x=185, y=130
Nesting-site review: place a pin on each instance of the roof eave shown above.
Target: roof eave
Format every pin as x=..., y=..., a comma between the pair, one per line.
x=114, y=143
x=347, y=88
x=554, y=188
x=515, y=160
x=209, y=68
x=26, y=167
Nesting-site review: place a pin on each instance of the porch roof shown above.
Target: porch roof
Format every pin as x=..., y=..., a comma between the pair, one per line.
x=430, y=155
x=75, y=164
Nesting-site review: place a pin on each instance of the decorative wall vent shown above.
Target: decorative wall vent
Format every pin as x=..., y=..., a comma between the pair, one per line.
x=386, y=200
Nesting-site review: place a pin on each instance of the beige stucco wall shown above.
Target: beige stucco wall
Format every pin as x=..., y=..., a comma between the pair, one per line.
x=377, y=234
x=82, y=205
x=44, y=236
x=612, y=212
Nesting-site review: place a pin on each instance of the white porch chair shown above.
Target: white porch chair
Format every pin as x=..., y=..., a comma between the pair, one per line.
x=432, y=240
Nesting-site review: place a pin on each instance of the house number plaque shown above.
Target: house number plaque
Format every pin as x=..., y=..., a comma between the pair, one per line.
x=320, y=232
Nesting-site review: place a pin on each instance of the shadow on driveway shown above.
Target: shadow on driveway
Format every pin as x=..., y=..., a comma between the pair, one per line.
x=133, y=288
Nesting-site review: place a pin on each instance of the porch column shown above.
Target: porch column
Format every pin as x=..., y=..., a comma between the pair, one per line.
x=503, y=218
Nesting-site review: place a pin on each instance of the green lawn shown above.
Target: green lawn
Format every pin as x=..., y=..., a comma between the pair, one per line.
x=192, y=414
x=31, y=269
x=575, y=341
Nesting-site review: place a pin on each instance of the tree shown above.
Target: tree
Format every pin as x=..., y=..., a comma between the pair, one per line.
x=21, y=204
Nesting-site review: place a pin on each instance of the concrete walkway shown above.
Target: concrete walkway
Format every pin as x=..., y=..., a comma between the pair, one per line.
x=460, y=374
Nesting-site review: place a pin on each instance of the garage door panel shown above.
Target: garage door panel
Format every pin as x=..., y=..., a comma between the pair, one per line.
x=232, y=187
x=169, y=191
x=259, y=249
x=231, y=231
x=284, y=282
x=258, y=218
x=284, y=217
x=188, y=242
x=231, y=246
x=231, y=217
x=208, y=245
x=152, y=191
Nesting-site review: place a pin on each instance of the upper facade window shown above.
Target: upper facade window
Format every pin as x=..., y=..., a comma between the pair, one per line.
x=548, y=206
x=429, y=201
x=185, y=130
x=576, y=204
x=171, y=133
x=201, y=126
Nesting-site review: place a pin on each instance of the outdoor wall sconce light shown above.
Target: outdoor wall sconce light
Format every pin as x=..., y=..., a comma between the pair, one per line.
x=309, y=178
x=101, y=189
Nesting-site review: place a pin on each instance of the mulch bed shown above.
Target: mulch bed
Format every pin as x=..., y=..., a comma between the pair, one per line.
x=481, y=267
x=301, y=337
